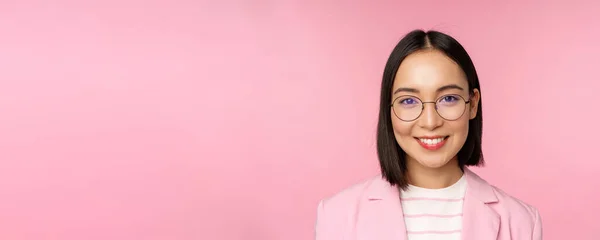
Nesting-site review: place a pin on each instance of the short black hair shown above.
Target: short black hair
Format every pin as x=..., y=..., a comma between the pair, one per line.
x=392, y=159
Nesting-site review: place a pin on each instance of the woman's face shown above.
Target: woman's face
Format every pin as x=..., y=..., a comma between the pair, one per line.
x=431, y=140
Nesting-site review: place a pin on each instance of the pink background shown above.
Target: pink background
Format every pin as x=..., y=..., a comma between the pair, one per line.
x=185, y=120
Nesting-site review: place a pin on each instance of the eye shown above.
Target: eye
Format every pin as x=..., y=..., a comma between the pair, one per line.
x=408, y=101
x=449, y=99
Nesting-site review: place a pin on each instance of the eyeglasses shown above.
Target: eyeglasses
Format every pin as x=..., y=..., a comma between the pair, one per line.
x=450, y=107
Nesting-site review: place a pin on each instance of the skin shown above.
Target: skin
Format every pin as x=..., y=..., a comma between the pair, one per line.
x=424, y=73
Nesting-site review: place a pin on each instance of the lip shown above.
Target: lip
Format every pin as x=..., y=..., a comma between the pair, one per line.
x=432, y=147
x=432, y=137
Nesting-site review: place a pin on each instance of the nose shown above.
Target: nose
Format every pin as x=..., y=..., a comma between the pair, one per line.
x=430, y=119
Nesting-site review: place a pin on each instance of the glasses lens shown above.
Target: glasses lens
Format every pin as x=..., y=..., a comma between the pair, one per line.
x=407, y=108
x=451, y=107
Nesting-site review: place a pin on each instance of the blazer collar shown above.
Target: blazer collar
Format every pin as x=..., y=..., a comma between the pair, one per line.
x=476, y=186
x=479, y=188
x=480, y=221
x=382, y=216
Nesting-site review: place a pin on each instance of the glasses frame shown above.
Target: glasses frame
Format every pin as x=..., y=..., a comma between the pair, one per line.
x=436, y=107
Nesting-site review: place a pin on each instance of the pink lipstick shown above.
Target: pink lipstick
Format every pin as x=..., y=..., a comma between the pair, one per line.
x=432, y=143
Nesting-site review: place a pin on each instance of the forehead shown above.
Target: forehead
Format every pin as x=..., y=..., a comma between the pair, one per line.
x=428, y=70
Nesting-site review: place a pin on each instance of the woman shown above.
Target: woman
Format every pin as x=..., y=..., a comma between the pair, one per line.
x=429, y=130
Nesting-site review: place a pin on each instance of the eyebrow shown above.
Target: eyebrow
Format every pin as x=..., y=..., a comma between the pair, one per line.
x=441, y=89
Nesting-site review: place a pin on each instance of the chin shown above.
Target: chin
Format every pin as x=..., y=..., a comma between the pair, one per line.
x=432, y=163
x=431, y=160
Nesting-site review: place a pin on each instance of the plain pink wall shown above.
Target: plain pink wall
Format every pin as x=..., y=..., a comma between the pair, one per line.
x=230, y=120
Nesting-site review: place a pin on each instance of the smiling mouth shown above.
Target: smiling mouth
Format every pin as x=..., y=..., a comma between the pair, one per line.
x=432, y=143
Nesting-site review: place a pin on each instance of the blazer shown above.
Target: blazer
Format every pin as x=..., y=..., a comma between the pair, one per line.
x=372, y=210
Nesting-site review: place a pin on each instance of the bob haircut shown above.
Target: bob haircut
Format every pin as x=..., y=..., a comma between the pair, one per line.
x=392, y=159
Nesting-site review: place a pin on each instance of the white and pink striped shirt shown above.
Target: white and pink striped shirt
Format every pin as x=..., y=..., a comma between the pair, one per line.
x=434, y=213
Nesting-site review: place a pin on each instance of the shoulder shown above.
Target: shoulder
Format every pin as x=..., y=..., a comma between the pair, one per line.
x=514, y=205
x=501, y=201
x=351, y=195
x=523, y=219
x=517, y=216
x=335, y=212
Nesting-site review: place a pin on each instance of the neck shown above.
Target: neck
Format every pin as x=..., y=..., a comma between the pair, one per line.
x=433, y=178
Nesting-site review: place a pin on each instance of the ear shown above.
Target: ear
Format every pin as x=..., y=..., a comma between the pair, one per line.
x=474, y=103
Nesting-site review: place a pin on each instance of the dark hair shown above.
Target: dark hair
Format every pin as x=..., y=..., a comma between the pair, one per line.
x=392, y=158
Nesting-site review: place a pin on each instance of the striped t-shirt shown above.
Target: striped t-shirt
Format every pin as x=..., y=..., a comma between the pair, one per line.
x=434, y=213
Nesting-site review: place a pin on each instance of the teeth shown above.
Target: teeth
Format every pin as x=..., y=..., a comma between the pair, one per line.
x=431, y=141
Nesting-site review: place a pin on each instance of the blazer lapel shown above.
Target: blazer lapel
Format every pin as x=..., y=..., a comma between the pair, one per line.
x=480, y=221
x=382, y=217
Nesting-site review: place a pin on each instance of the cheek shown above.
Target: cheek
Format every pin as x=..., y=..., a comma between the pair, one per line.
x=460, y=129
x=402, y=130
x=400, y=127
x=464, y=125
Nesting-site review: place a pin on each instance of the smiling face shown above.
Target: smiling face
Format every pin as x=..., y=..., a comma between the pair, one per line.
x=431, y=138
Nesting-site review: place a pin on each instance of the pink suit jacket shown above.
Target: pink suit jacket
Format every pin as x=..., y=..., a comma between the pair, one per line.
x=371, y=210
